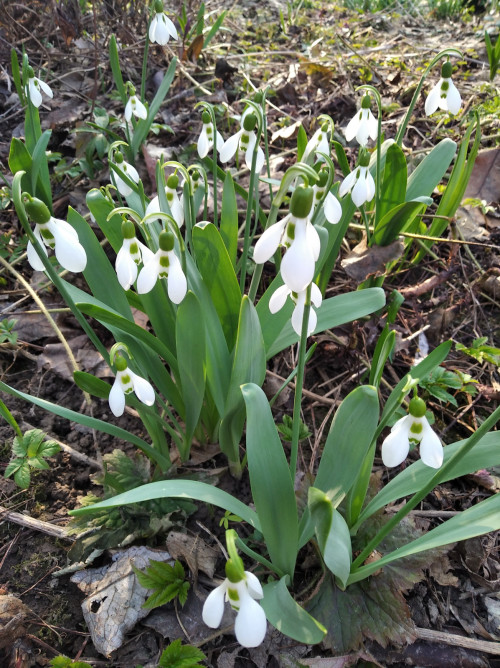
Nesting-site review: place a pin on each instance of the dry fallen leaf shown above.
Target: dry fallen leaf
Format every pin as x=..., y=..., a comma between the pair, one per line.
x=114, y=604
x=194, y=551
x=12, y=614
x=364, y=261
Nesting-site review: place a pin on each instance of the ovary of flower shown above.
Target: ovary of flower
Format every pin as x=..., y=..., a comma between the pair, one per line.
x=34, y=89
x=413, y=427
x=363, y=125
x=280, y=296
x=244, y=140
x=63, y=239
x=135, y=107
x=161, y=27
x=126, y=382
x=250, y=625
x=130, y=256
x=206, y=138
x=360, y=184
x=317, y=144
x=163, y=264
x=123, y=188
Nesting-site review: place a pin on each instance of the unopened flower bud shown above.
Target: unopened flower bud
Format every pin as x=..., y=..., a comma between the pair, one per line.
x=36, y=209
x=301, y=203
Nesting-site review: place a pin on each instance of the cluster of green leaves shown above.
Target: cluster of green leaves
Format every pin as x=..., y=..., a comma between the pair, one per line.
x=65, y=662
x=493, y=52
x=481, y=351
x=30, y=451
x=6, y=331
x=441, y=380
x=177, y=655
x=166, y=581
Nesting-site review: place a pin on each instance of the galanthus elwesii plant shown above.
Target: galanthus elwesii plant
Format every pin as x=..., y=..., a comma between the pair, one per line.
x=198, y=369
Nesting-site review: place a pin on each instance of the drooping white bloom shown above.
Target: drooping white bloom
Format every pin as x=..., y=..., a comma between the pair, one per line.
x=360, y=184
x=250, y=625
x=123, y=188
x=161, y=27
x=163, y=264
x=126, y=382
x=318, y=143
x=206, y=138
x=413, y=427
x=331, y=206
x=299, y=237
x=173, y=199
x=280, y=296
x=35, y=87
x=363, y=125
x=135, y=107
x=445, y=94
x=130, y=256
x=244, y=140
x=57, y=235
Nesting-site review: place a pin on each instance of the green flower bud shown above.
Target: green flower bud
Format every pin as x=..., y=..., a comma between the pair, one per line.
x=366, y=102
x=36, y=209
x=417, y=407
x=205, y=117
x=166, y=241
x=249, y=122
x=118, y=157
x=364, y=159
x=302, y=200
x=120, y=363
x=257, y=98
x=233, y=571
x=158, y=7
x=323, y=178
x=173, y=181
x=446, y=70
x=128, y=229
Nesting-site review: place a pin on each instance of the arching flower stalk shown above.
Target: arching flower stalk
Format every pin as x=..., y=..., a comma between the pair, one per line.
x=55, y=234
x=126, y=382
x=244, y=140
x=35, y=87
x=206, y=138
x=163, y=264
x=359, y=182
x=130, y=255
x=161, y=28
x=297, y=234
x=280, y=296
x=363, y=125
x=123, y=188
x=445, y=94
x=413, y=428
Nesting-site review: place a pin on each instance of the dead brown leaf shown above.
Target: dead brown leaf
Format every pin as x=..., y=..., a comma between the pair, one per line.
x=484, y=182
x=12, y=615
x=194, y=551
x=364, y=260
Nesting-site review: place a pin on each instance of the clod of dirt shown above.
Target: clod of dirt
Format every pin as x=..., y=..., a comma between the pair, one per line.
x=114, y=604
x=12, y=615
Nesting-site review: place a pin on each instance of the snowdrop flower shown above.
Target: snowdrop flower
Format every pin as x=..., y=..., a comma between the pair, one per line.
x=126, y=382
x=206, y=138
x=161, y=27
x=55, y=234
x=359, y=182
x=163, y=264
x=415, y=428
x=123, y=188
x=299, y=237
x=280, y=296
x=244, y=140
x=130, y=255
x=318, y=143
x=331, y=205
x=445, y=94
x=135, y=107
x=173, y=199
x=35, y=87
x=363, y=125
x=241, y=590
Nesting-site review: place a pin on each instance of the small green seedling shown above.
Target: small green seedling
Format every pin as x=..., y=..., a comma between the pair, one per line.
x=29, y=451
x=168, y=582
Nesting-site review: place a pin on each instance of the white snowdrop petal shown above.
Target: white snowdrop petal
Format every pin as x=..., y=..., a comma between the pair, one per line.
x=312, y=240
x=219, y=140
x=278, y=299
x=229, y=147
x=34, y=94
x=297, y=316
x=370, y=186
x=170, y=27
x=45, y=88
x=126, y=268
x=253, y=585
x=148, y=275
x=213, y=608
x=116, y=399
x=432, y=101
x=152, y=28
x=372, y=126
x=69, y=252
x=297, y=267
x=431, y=448
x=316, y=296
x=128, y=111
x=203, y=144
x=143, y=389
x=312, y=322
x=33, y=257
x=352, y=127
x=332, y=209
x=348, y=182
x=177, y=283
x=359, y=193
x=251, y=625
x=268, y=243
x=153, y=206
x=453, y=99
x=395, y=447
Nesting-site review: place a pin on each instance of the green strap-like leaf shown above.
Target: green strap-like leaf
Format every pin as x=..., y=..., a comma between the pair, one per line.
x=397, y=220
x=431, y=170
x=394, y=184
x=272, y=486
x=229, y=218
x=480, y=519
x=288, y=616
x=178, y=489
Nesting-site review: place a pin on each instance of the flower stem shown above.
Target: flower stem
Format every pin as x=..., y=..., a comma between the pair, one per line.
x=299, y=383
x=257, y=557
x=440, y=475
